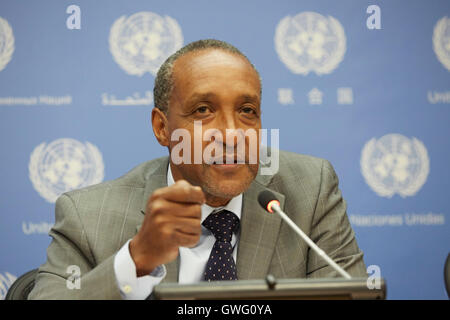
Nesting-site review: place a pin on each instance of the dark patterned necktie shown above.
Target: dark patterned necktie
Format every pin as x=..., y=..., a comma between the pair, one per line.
x=221, y=264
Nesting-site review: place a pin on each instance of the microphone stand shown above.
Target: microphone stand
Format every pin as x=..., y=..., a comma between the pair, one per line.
x=311, y=244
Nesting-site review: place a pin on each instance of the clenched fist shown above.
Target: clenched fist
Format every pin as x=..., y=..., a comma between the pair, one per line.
x=172, y=220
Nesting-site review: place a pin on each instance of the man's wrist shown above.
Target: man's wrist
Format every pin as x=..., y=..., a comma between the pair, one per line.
x=143, y=267
x=131, y=286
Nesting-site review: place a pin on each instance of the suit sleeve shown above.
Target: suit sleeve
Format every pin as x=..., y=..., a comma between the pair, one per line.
x=332, y=232
x=70, y=249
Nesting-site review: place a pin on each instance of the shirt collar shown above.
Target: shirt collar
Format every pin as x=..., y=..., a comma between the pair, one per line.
x=234, y=205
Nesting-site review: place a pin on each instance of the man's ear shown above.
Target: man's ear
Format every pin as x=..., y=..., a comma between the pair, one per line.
x=160, y=127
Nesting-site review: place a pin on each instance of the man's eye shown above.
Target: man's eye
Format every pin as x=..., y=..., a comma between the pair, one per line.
x=202, y=109
x=248, y=110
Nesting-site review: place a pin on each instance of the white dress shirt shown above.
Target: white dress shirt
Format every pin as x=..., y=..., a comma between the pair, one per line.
x=192, y=260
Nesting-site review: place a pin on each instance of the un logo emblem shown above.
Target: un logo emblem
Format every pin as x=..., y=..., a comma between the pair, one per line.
x=395, y=164
x=6, y=280
x=142, y=42
x=64, y=165
x=6, y=43
x=441, y=41
x=310, y=42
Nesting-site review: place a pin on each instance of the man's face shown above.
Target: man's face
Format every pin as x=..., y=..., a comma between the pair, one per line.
x=222, y=91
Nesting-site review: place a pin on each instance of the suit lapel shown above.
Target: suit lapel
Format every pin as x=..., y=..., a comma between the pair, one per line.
x=172, y=269
x=258, y=235
x=155, y=179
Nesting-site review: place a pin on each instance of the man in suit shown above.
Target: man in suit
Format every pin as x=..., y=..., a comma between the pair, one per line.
x=156, y=223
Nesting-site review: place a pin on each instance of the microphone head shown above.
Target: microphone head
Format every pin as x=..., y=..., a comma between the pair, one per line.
x=266, y=199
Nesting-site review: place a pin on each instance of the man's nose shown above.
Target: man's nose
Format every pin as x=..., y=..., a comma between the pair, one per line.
x=231, y=133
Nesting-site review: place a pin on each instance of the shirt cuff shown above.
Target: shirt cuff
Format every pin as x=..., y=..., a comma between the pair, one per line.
x=133, y=287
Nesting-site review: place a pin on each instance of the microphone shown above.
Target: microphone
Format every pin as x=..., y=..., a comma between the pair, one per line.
x=268, y=201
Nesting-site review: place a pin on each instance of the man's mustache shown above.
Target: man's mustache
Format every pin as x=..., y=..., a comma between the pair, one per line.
x=228, y=156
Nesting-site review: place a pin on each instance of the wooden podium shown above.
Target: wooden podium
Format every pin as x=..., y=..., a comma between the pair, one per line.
x=286, y=289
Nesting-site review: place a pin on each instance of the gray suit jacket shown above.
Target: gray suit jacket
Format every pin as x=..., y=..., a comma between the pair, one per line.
x=93, y=223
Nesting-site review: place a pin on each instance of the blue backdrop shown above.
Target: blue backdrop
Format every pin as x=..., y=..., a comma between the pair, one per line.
x=364, y=84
